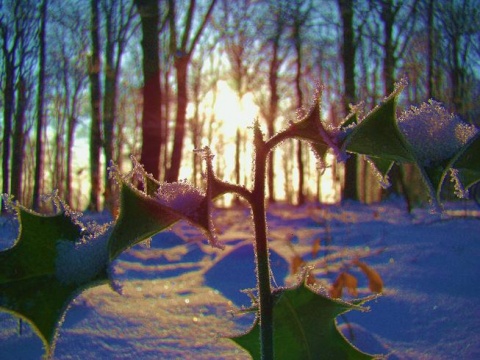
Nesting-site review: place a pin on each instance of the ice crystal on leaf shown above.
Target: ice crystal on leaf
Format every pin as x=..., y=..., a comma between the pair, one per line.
x=435, y=134
x=460, y=190
x=321, y=135
x=180, y=196
x=175, y=201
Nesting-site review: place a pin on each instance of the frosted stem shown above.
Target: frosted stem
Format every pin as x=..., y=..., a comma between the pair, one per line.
x=261, y=248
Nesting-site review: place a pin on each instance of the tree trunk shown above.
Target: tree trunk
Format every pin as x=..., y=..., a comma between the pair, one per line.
x=69, y=160
x=182, y=51
x=19, y=142
x=38, y=180
x=109, y=115
x=388, y=18
x=71, y=125
x=456, y=75
x=350, y=188
x=430, y=54
x=8, y=107
x=181, y=66
x=96, y=100
x=299, y=94
x=151, y=116
x=117, y=27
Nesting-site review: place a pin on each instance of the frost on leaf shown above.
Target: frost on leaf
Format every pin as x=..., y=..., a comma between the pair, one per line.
x=434, y=134
x=304, y=327
x=148, y=207
x=460, y=190
x=32, y=283
x=377, y=135
x=320, y=135
x=80, y=262
x=180, y=196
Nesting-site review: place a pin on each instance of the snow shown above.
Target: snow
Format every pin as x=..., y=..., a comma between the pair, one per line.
x=180, y=196
x=180, y=295
x=434, y=133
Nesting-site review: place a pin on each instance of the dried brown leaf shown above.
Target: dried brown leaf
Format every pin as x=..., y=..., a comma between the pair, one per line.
x=315, y=248
x=344, y=280
x=337, y=287
x=351, y=283
x=375, y=282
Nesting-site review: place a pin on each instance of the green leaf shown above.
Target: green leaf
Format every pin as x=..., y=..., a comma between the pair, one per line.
x=378, y=135
x=140, y=217
x=304, y=328
x=319, y=149
x=382, y=165
x=467, y=163
x=29, y=284
x=351, y=120
x=311, y=129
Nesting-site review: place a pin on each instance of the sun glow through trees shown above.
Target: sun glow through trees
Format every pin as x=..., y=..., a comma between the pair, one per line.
x=234, y=116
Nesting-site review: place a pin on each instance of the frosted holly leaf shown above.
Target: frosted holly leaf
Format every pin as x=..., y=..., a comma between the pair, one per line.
x=429, y=137
x=321, y=137
x=465, y=167
x=143, y=214
x=439, y=140
x=434, y=134
x=377, y=135
x=45, y=270
x=381, y=168
x=78, y=262
x=179, y=196
x=304, y=327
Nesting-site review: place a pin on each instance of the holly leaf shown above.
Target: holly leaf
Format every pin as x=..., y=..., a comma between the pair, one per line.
x=304, y=327
x=378, y=135
x=464, y=166
x=140, y=218
x=31, y=285
x=467, y=163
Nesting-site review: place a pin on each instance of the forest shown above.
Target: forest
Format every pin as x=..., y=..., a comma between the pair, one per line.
x=89, y=83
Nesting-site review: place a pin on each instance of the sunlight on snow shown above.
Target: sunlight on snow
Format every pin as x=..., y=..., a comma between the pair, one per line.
x=174, y=304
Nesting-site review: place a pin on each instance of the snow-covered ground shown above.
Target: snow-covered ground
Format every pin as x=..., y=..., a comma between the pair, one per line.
x=180, y=295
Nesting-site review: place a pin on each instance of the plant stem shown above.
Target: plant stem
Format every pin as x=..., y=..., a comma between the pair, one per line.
x=261, y=246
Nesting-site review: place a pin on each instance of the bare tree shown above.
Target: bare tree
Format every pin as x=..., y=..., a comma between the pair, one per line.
x=151, y=116
x=398, y=19
x=240, y=30
x=40, y=106
x=182, y=45
x=69, y=40
x=19, y=135
x=18, y=24
x=94, y=68
x=204, y=79
x=458, y=21
x=10, y=43
x=275, y=53
x=346, y=7
x=299, y=14
x=119, y=18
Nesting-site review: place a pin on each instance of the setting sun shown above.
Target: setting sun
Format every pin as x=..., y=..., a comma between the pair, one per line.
x=232, y=112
